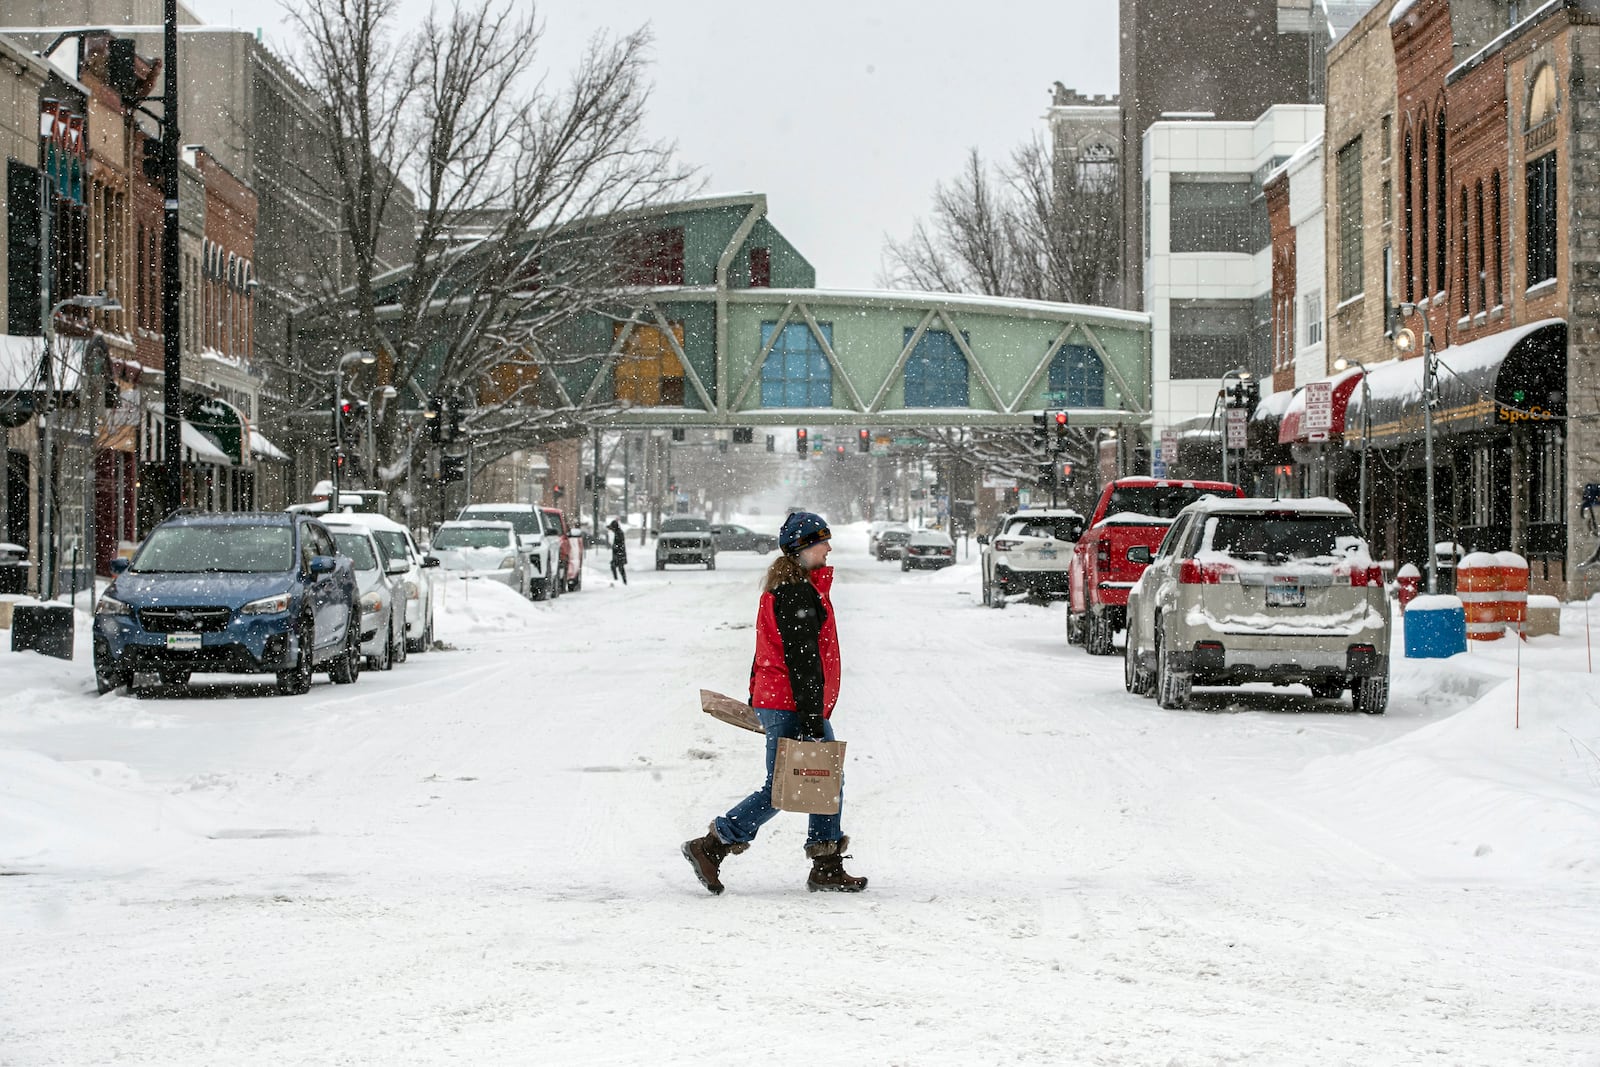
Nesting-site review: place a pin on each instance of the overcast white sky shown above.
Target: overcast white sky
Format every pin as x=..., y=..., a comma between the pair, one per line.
x=844, y=113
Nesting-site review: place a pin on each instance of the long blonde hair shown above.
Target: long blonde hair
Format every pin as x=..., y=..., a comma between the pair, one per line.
x=785, y=570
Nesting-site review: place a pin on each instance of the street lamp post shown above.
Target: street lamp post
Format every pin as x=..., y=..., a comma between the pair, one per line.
x=1405, y=340
x=366, y=359
x=1366, y=432
x=1239, y=374
x=47, y=553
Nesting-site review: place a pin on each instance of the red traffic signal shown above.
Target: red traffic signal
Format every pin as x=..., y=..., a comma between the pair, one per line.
x=863, y=441
x=801, y=445
x=1061, y=418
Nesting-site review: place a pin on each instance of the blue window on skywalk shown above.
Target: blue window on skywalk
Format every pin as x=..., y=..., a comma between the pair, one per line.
x=797, y=373
x=936, y=372
x=1077, y=378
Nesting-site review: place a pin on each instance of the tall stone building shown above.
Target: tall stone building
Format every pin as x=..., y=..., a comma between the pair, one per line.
x=1086, y=152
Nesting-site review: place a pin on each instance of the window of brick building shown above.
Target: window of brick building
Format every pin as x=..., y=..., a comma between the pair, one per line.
x=1407, y=215
x=1466, y=286
x=1347, y=170
x=1441, y=232
x=1478, y=231
x=1542, y=201
x=1495, y=224
x=1424, y=193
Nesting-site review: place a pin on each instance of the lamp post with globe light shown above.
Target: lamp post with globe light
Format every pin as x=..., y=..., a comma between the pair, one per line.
x=1404, y=342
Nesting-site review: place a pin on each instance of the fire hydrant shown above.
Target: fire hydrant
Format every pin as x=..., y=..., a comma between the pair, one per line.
x=1409, y=580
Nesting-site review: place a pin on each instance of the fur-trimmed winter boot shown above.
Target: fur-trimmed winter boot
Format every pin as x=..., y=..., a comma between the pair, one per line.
x=827, y=868
x=705, y=855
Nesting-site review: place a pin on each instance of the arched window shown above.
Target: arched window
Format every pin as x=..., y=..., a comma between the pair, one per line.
x=1499, y=250
x=1424, y=189
x=1408, y=250
x=1542, y=101
x=1482, y=286
x=1465, y=279
x=1077, y=378
x=1441, y=231
x=936, y=372
x=796, y=373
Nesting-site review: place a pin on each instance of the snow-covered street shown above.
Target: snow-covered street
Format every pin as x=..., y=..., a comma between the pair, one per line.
x=474, y=858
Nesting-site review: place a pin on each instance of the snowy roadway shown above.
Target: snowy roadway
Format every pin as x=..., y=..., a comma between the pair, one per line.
x=474, y=858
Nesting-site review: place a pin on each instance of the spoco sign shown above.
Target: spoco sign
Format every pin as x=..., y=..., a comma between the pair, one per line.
x=1529, y=414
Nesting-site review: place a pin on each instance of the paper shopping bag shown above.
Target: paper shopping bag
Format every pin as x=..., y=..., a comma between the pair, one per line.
x=731, y=711
x=808, y=776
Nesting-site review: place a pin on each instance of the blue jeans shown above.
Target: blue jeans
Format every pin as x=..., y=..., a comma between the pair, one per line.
x=745, y=819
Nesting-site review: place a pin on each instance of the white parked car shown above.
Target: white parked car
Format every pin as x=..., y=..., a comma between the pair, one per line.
x=540, y=536
x=397, y=543
x=380, y=583
x=1254, y=590
x=930, y=549
x=483, y=547
x=1028, y=551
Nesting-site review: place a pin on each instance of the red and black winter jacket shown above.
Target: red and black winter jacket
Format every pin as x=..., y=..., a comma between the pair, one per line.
x=797, y=648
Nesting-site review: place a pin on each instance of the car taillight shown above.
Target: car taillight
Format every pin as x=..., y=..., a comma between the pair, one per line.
x=1364, y=576
x=1005, y=544
x=1193, y=572
x=946, y=551
x=1102, y=552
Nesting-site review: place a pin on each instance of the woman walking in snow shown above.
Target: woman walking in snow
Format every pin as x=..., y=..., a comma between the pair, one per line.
x=794, y=683
x=619, y=552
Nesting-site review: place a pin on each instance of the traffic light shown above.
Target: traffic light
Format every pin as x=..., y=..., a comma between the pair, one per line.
x=588, y=483
x=677, y=433
x=772, y=442
x=1061, y=431
x=802, y=445
x=838, y=452
x=152, y=158
x=1041, y=430
x=1047, y=471
x=744, y=435
x=863, y=441
x=557, y=493
x=351, y=415
x=452, y=468
x=434, y=415
x=1066, y=474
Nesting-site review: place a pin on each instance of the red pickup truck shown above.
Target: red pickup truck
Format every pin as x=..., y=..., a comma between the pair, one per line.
x=1131, y=512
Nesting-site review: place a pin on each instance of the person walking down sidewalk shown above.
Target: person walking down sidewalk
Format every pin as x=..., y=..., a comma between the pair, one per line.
x=794, y=683
x=619, y=552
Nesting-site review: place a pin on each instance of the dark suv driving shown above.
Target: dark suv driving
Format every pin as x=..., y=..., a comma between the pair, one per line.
x=240, y=593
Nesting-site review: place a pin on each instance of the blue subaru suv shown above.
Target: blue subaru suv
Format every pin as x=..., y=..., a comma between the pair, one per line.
x=240, y=593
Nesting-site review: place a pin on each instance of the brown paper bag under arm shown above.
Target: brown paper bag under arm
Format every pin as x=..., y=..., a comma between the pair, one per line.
x=731, y=711
x=808, y=776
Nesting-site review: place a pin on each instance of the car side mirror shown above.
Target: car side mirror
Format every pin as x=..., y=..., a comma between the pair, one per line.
x=397, y=566
x=120, y=565
x=323, y=564
x=983, y=539
x=1139, y=554
x=430, y=561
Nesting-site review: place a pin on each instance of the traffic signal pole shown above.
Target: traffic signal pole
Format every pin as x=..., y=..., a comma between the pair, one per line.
x=171, y=283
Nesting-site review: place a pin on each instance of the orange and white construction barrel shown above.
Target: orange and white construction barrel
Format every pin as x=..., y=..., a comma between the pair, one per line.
x=1480, y=583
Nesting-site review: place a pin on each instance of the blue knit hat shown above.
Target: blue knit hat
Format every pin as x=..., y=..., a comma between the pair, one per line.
x=802, y=530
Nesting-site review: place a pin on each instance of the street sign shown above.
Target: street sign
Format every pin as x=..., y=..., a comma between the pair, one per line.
x=1169, y=447
x=1158, y=468
x=1238, y=419
x=1319, y=409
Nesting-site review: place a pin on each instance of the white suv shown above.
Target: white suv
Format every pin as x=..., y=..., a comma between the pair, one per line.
x=1251, y=590
x=1029, y=551
x=540, y=536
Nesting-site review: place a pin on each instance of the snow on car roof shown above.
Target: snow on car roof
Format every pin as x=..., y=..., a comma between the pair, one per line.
x=1316, y=505
x=1053, y=513
x=476, y=524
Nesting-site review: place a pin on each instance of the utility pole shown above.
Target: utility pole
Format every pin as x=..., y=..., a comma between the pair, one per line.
x=171, y=284
x=594, y=485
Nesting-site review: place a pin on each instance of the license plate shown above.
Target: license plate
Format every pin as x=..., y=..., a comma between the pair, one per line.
x=183, y=642
x=1286, y=596
x=1047, y=552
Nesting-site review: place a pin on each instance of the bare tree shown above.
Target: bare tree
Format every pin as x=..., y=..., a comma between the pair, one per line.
x=481, y=207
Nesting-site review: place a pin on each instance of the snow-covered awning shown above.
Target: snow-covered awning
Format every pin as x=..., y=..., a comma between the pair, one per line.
x=1515, y=377
x=198, y=446
x=260, y=446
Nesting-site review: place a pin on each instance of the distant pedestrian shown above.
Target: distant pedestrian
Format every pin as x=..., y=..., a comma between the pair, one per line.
x=794, y=682
x=619, y=552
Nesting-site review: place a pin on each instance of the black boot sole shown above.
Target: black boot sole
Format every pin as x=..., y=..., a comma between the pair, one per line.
x=815, y=888
x=714, y=888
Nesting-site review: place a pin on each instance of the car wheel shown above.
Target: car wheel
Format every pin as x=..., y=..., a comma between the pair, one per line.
x=401, y=652
x=1370, y=696
x=1326, y=690
x=297, y=679
x=347, y=668
x=988, y=594
x=660, y=566
x=105, y=681
x=386, y=661
x=577, y=583
x=1130, y=672
x=1097, y=639
x=1172, y=687
x=1073, y=634
x=905, y=565
x=711, y=563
